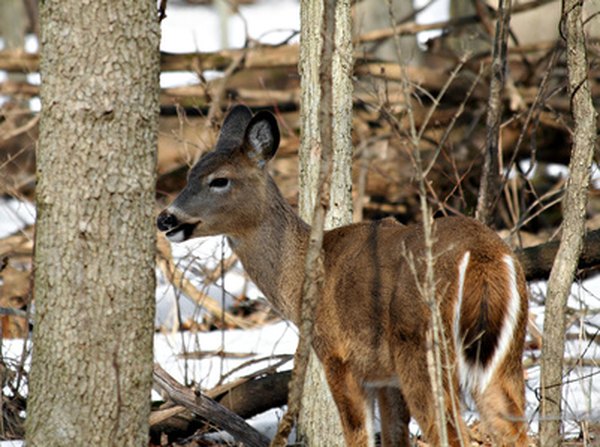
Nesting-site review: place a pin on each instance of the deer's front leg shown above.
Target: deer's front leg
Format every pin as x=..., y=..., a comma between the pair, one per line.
x=354, y=403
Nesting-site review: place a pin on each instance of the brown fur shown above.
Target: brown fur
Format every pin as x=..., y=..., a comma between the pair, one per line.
x=371, y=322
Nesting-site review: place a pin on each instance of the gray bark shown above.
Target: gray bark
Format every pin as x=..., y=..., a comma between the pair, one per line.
x=489, y=188
x=94, y=257
x=573, y=227
x=12, y=29
x=319, y=423
x=374, y=15
x=468, y=39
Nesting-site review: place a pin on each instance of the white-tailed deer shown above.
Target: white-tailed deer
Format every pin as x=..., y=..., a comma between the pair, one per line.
x=371, y=322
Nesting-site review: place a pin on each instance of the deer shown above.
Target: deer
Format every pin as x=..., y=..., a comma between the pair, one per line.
x=371, y=322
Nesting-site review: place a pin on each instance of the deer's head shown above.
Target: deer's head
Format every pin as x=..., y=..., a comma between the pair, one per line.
x=226, y=188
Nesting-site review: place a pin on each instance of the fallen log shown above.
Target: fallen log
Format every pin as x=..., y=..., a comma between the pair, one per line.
x=208, y=409
x=248, y=399
x=537, y=261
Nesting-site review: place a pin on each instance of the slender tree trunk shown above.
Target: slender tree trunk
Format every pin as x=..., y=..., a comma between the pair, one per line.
x=12, y=29
x=373, y=15
x=573, y=229
x=12, y=24
x=91, y=375
x=319, y=423
x=467, y=39
x=489, y=189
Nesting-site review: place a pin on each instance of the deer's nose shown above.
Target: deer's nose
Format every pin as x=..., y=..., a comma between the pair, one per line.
x=166, y=221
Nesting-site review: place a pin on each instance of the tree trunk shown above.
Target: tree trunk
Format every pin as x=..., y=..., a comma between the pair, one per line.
x=94, y=287
x=573, y=226
x=374, y=15
x=12, y=24
x=12, y=30
x=467, y=39
x=319, y=423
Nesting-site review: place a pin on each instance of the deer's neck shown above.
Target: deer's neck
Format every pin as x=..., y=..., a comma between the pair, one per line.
x=273, y=253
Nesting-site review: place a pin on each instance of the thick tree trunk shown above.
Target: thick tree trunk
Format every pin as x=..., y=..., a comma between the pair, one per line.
x=94, y=258
x=573, y=226
x=319, y=423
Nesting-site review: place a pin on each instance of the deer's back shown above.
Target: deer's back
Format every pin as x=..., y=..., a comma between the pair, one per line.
x=371, y=293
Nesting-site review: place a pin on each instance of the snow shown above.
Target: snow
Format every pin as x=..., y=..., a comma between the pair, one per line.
x=189, y=28
x=15, y=214
x=267, y=342
x=264, y=347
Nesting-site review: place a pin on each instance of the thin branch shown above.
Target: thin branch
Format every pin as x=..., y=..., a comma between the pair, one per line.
x=162, y=10
x=490, y=175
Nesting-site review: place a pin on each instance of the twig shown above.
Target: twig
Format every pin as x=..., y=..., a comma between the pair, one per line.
x=455, y=117
x=221, y=388
x=219, y=94
x=178, y=280
x=10, y=311
x=21, y=129
x=490, y=174
x=162, y=10
x=535, y=106
x=414, y=28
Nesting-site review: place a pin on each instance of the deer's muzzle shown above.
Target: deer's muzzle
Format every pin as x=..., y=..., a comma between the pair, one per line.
x=175, y=231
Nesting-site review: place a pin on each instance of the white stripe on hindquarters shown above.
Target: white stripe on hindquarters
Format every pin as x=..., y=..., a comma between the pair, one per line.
x=508, y=327
x=463, y=368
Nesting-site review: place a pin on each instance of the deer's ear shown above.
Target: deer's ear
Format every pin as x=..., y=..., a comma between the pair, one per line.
x=234, y=127
x=262, y=137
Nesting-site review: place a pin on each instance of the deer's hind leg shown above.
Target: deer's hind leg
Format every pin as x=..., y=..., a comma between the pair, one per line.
x=418, y=394
x=354, y=402
x=395, y=417
x=501, y=407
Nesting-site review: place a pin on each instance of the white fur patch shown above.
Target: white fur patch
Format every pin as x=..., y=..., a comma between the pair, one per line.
x=370, y=417
x=463, y=368
x=508, y=328
x=178, y=236
x=475, y=378
x=261, y=139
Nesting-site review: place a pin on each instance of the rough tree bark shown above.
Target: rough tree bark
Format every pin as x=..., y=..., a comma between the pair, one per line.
x=573, y=226
x=91, y=375
x=319, y=422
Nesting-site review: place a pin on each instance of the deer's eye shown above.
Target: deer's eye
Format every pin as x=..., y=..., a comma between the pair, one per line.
x=219, y=183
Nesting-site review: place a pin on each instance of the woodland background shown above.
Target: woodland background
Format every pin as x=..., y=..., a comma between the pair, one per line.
x=202, y=290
